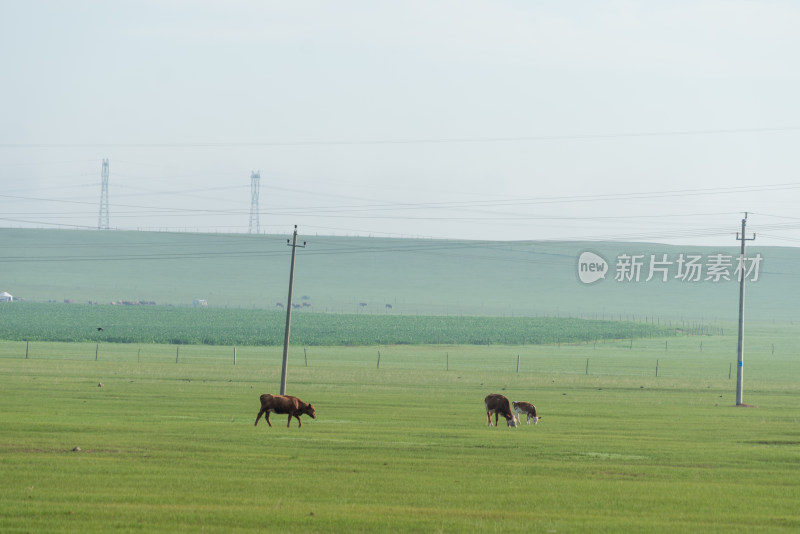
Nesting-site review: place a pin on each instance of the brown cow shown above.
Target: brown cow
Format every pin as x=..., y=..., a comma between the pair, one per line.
x=499, y=405
x=528, y=409
x=284, y=404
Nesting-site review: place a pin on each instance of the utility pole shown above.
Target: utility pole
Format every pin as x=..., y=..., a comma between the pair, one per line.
x=285, y=366
x=255, y=179
x=102, y=219
x=740, y=349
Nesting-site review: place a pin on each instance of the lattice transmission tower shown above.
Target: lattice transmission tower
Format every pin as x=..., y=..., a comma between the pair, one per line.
x=255, y=178
x=102, y=220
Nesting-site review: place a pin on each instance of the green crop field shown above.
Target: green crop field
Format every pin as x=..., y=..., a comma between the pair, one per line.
x=24, y=321
x=402, y=445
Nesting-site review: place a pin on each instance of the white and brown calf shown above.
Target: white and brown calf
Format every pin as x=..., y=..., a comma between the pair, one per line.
x=528, y=409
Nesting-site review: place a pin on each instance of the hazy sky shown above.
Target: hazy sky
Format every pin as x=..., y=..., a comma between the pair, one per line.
x=488, y=120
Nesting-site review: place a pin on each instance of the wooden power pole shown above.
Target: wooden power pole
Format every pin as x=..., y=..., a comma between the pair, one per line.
x=285, y=365
x=740, y=349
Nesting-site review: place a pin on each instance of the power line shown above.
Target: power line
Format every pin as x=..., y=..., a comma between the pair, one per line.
x=484, y=211
x=411, y=141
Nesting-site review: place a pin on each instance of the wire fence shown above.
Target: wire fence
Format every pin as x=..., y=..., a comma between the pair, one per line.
x=713, y=358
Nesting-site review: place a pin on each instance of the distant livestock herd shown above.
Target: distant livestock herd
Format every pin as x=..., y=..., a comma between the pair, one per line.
x=495, y=404
x=306, y=304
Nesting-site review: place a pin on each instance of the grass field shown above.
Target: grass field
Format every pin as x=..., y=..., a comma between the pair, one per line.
x=404, y=446
x=639, y=432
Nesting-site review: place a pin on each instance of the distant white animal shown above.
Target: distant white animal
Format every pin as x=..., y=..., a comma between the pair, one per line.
x=528, y=409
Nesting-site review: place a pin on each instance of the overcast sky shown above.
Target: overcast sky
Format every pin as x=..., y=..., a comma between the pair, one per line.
x=487, y=120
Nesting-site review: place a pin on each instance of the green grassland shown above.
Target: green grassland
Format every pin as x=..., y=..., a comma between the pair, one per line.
x=414, y=276
x=404, y=446
x=635, y=383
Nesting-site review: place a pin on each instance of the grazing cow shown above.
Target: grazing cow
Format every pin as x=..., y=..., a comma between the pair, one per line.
x=284, y=404
x=528, y=409
x=499, y=405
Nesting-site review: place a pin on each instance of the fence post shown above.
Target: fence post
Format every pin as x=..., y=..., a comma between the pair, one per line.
x=177, y=348
x=379, y=359
x=305, y=355
x=517, y=363
x=26, y=349
x=656, y=367
x=447, y=361
x=587, y=366
x=96, y=351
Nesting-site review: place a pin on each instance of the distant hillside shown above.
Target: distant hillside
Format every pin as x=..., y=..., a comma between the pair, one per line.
x=387, y=276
